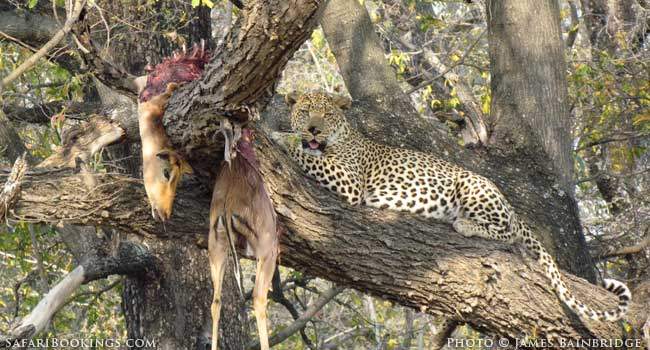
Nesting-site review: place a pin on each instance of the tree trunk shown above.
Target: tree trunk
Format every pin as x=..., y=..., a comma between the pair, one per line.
x=351, y=36
x=174, y=310
x=529, y=85
x=529, y=112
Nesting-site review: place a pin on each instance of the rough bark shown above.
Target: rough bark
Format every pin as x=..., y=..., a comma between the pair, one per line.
x=487, y=284
x=11, y=188
x=352, y=38
x=158, y=309
x=12, y=146
x=529, y=111
x=529, y=85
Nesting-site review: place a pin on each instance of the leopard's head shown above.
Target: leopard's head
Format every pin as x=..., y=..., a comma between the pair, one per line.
x=318, y=118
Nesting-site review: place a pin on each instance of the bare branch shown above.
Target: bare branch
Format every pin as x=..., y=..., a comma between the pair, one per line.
x=304, y=318
x=75, y=12
x=131, y=259
x=11, y=187
x=83, y=142
x=633, y=249
x=41, y=315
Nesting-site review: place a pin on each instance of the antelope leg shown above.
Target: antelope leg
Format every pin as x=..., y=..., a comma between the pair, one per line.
x=217, y=253
x=265, y=269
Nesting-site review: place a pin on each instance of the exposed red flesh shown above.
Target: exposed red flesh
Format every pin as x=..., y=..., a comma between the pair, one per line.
x=180, y=68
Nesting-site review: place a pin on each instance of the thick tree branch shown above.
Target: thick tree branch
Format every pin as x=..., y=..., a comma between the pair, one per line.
x=480, y=282
x=244, y=70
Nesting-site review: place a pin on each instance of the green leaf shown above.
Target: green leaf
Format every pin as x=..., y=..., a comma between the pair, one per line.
x=196, y=3
x=32, y=3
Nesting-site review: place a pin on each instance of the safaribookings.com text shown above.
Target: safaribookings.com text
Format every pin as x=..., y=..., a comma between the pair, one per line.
x=80, y=343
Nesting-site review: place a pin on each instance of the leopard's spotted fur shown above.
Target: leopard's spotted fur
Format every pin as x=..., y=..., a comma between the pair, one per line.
x=362, y=171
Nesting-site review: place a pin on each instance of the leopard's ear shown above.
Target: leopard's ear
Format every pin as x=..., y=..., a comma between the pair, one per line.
x=291, y=98
x=342, y=102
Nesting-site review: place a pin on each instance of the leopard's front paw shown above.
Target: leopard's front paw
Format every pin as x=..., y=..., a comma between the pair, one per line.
x=465, y=228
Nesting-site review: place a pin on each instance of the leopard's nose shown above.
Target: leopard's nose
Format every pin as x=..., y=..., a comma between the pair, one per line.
x=314, y=130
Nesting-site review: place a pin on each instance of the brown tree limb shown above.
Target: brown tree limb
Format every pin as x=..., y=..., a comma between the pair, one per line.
x=633, y=249
x=11, y=188
x=480, y=282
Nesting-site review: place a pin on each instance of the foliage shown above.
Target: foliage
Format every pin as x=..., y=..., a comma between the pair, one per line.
x=33, y=259
x=609, y=92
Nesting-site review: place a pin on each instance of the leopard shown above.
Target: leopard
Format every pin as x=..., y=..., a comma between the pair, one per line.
x=363, y=172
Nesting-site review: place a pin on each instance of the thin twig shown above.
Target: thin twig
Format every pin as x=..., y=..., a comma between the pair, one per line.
x=18, y=41
x=611, y=139
x=304, y=318
x=456, y=64
x=596, y=177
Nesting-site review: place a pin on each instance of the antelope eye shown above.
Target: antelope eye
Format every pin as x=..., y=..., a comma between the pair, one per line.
x=166, y=174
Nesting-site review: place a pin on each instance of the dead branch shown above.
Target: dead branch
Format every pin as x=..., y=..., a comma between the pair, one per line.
x=41, y=315
x=67, y=26
x=83, y=142
x=633, y=249
x=300, y=323
x=130, y=260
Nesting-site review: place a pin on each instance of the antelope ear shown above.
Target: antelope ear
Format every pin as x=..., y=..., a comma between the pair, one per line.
x=291, y=98
x=342, y=102
x=140, y=83
x=185, y=166
x=164, y=155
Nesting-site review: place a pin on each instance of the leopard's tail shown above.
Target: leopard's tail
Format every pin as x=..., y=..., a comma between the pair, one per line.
x=551, y=271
